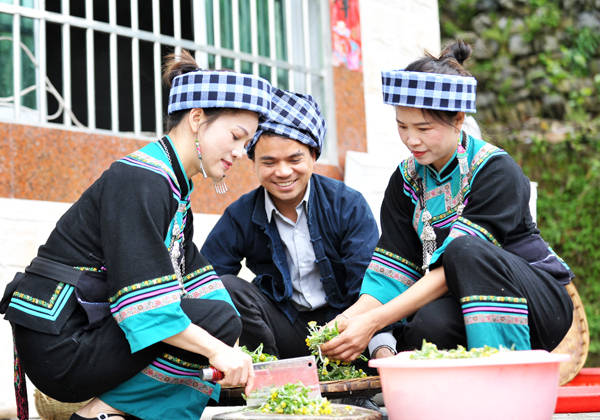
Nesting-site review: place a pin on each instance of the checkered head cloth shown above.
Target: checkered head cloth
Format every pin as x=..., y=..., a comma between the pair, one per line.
x=295, y=116
x=220, y=89
x=445, y=92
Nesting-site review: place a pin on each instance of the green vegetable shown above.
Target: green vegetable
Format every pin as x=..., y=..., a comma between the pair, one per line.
x=295, y=399
x=258, y=355
x=330, y=370
x=430, y=351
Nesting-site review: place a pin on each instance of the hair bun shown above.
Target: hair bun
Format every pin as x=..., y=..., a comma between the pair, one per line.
x=458, y=50
x=178, y=64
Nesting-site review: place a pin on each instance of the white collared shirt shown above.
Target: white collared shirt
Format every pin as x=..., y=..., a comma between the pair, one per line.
x=308, y=292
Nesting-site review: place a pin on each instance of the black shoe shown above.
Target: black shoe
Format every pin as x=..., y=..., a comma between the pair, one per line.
x=363, y=402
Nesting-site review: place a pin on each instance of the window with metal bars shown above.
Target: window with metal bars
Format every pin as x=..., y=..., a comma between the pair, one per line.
x=96, y=64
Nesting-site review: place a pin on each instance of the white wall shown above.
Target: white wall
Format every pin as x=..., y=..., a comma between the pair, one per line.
x=24, y=225
x=393, y=33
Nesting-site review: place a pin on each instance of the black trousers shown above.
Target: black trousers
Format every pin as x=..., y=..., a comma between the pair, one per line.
x=82, y=363
x=263, y=322
x=476, y=267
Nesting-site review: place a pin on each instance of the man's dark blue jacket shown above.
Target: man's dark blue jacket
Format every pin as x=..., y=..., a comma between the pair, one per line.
x=342, y=230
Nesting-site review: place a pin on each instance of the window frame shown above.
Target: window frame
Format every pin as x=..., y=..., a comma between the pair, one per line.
x=309, y=68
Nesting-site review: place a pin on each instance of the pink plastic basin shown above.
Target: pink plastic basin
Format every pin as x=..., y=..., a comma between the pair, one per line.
x=510, y=385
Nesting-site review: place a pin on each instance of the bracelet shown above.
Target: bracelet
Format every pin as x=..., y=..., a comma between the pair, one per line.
x=344, y=315
x=376, y=349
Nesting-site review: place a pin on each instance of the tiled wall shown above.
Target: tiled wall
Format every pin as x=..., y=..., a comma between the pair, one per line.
x=349, y=112
x=50, y=164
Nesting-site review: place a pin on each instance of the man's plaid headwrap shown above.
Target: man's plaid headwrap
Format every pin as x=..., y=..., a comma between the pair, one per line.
x=220, y=89
x=295, y=116
x=414, y=89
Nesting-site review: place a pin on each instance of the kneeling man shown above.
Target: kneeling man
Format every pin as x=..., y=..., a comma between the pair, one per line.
x=307, y=238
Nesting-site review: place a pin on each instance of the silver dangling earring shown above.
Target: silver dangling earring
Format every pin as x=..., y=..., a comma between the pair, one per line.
x=200, y=157
x=221, y=186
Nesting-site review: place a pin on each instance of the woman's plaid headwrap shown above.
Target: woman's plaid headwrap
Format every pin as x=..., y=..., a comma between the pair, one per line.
x=295, y=116
x=220, y=89
x=445, y=92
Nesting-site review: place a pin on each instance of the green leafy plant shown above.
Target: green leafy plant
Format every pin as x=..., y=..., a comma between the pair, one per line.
x=258, y=355
x=330, y=370
x=465, y=11
x=295, y=399
x=543, y=16
x=584, y=46
x=554, y=68
x=499, y=34
x=430, y=351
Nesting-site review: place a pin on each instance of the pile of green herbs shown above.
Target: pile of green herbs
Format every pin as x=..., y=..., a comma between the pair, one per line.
x=295, y=399
x=330, y=370
x=430, y=351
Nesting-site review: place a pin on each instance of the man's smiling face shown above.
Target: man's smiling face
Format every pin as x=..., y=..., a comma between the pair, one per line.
x=283, y=167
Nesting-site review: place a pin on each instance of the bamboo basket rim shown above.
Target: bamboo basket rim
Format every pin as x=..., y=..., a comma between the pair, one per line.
x=576, y=342
x=50, y=409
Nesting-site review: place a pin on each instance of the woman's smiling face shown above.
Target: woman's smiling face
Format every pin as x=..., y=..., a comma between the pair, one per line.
x=430, y=141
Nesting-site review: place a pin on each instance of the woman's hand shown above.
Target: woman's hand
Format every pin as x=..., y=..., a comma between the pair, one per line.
x=354, y=337
x=235, y=365
x=340, y=319
x=367, y=315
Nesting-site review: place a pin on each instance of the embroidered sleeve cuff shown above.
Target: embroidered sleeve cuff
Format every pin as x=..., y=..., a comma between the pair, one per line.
x=148, y=328
x=388, y=275
x=380, y=287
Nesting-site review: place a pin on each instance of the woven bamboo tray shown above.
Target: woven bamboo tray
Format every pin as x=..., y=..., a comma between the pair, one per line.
x=340, y=412
x=51, y=409
x=577, y=341
x=358, y=387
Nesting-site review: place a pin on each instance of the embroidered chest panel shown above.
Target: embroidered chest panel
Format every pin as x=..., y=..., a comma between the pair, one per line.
x=443, y=199
x=152, y=158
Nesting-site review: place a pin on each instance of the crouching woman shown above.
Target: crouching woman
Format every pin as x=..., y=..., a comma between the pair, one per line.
x=459, y=260
x=119, y=305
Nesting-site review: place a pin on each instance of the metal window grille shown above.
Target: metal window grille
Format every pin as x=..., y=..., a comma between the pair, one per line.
x=96, y=64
